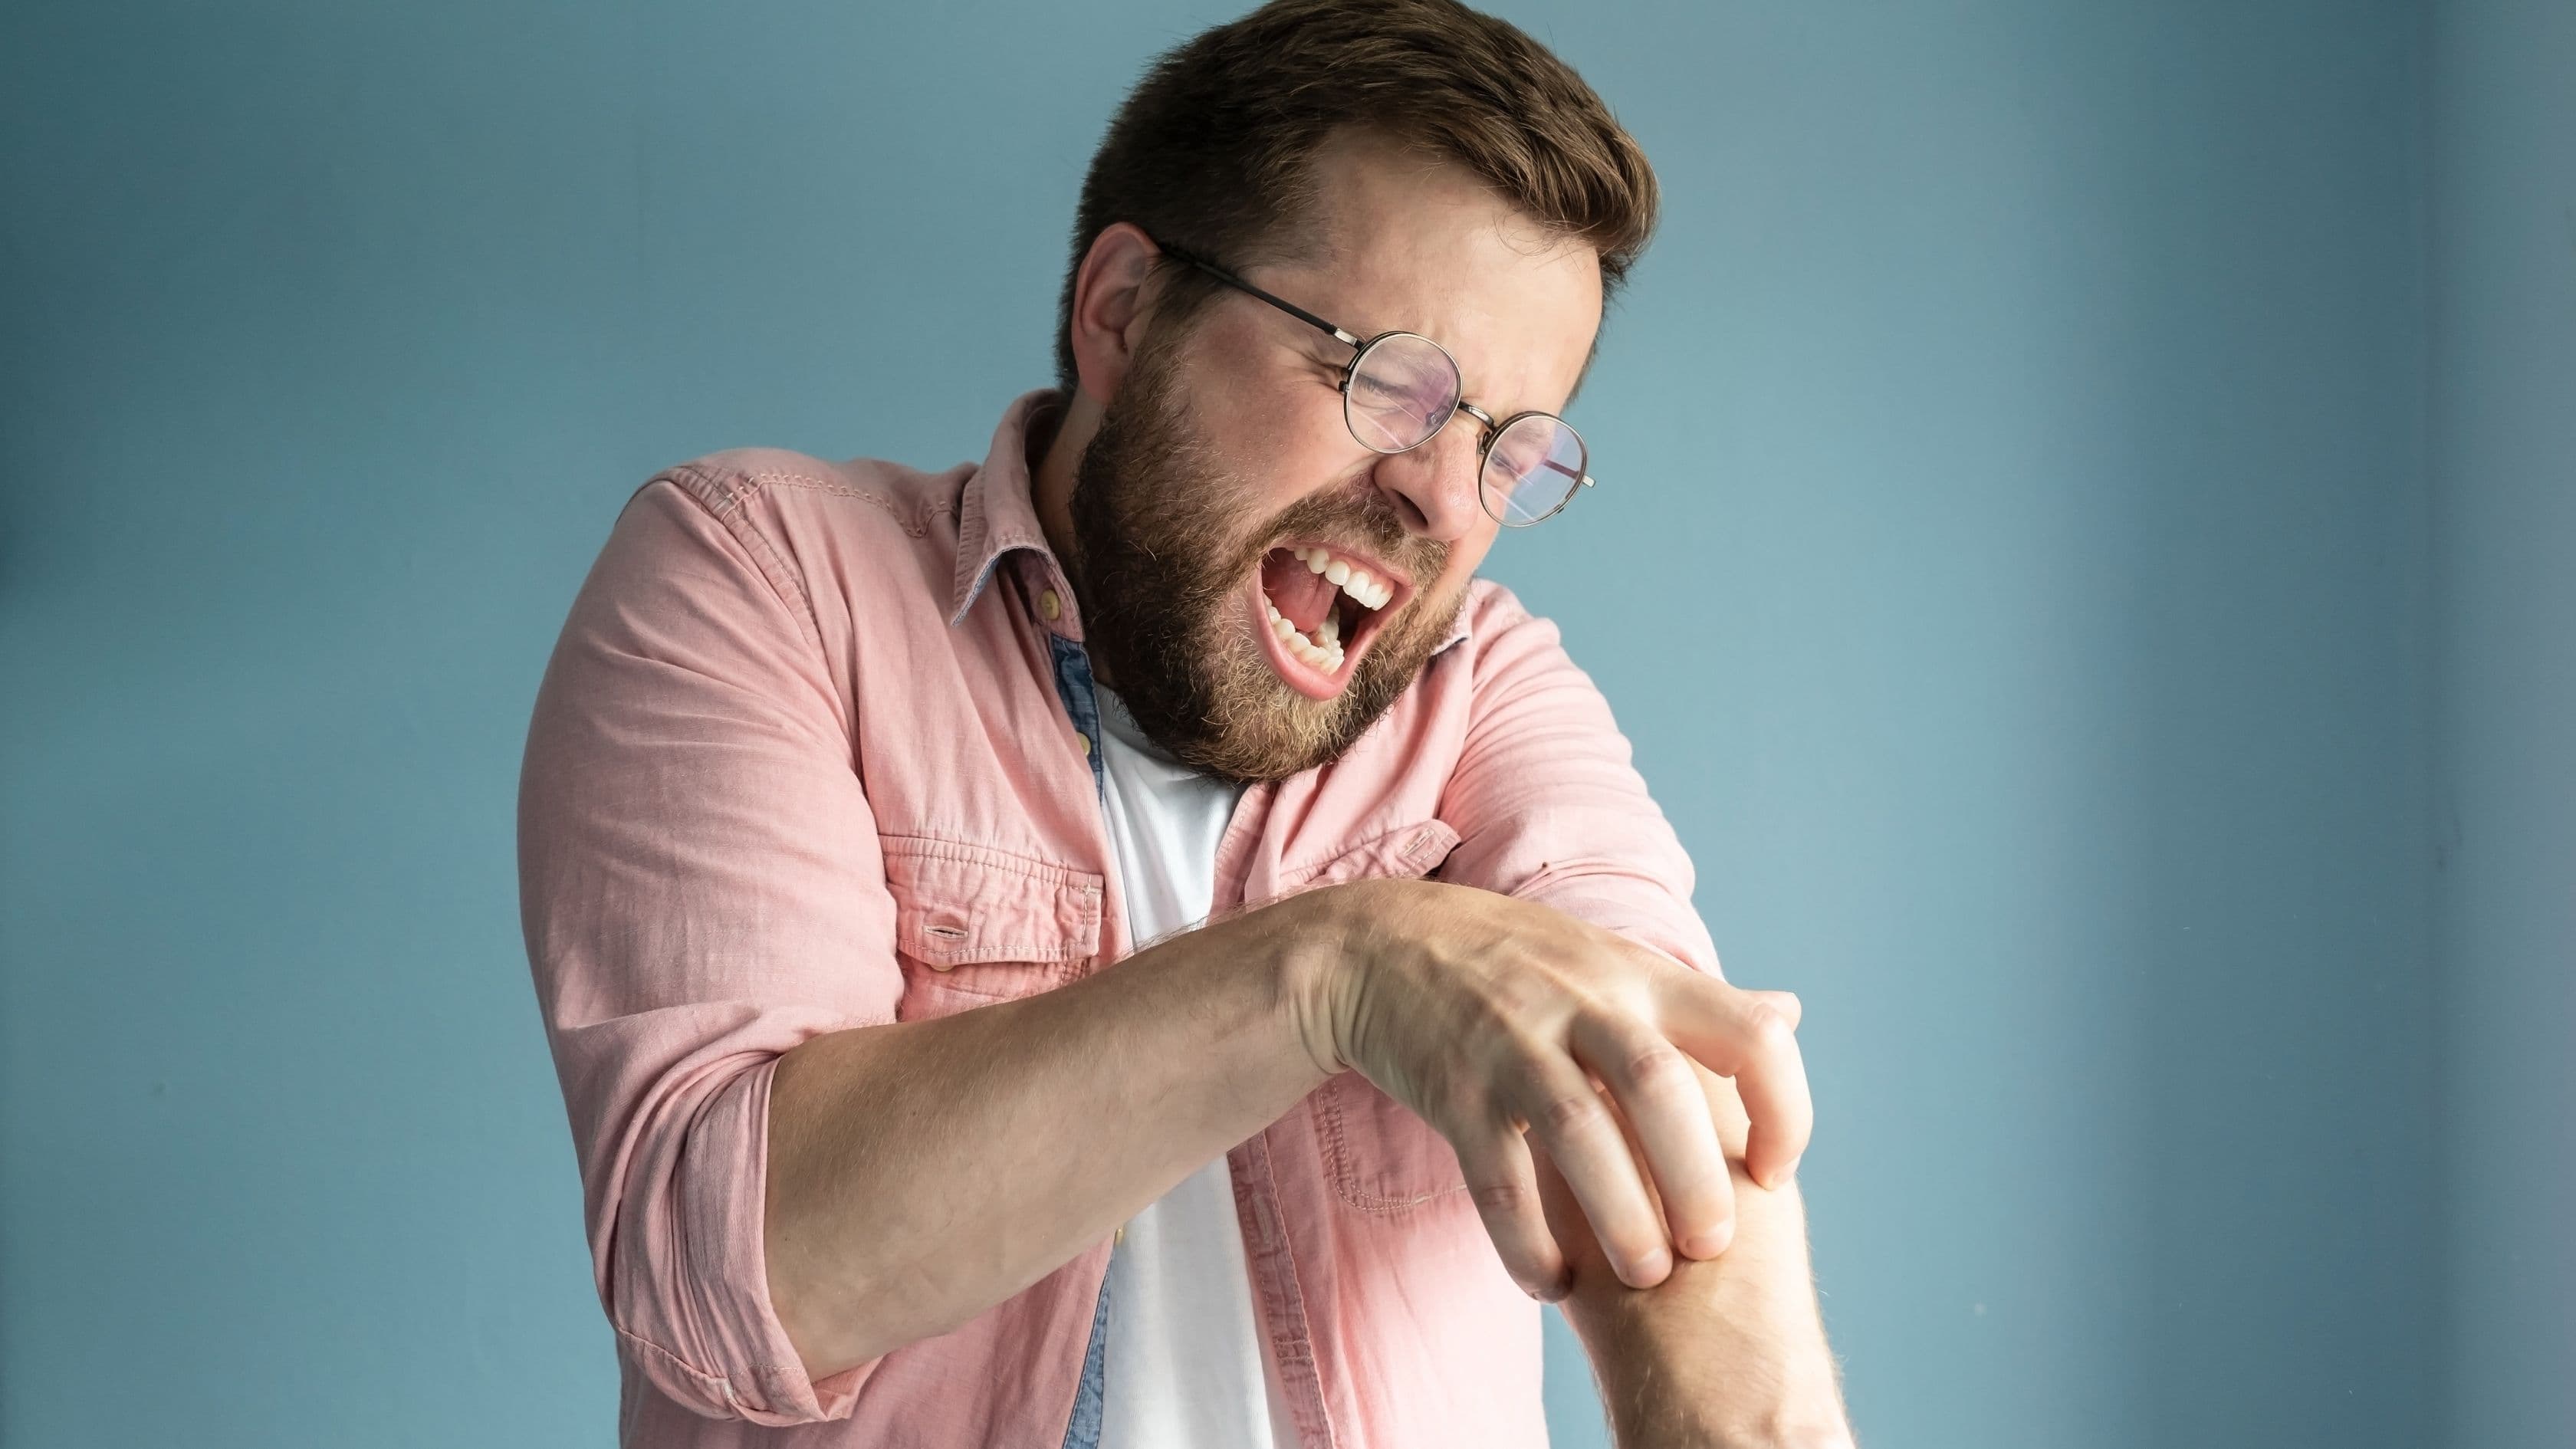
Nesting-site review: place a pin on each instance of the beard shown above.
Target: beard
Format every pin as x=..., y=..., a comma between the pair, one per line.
x=1162, y=557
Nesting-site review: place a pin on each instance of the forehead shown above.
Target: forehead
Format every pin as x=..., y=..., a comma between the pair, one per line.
x=1407, y=242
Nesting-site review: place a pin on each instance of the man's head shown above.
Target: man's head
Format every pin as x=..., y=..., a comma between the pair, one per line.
x=1384, y=164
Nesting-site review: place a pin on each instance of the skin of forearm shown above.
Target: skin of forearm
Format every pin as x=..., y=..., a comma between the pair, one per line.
x=1726, y=1351
x=920, y=1172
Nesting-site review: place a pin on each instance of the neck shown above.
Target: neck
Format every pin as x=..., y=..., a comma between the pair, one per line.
x=1054, y=449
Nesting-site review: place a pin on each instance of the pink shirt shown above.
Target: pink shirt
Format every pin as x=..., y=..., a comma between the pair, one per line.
x=806, y=758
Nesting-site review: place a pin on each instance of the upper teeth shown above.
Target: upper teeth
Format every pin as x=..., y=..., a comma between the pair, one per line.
x=1370, y=590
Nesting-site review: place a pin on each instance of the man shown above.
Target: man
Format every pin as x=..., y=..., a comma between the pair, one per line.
x=1131, y=943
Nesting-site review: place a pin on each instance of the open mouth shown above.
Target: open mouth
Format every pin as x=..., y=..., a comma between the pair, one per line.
x=1317, y=608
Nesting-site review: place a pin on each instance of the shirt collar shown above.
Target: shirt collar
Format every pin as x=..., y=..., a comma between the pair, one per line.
x=998, y=514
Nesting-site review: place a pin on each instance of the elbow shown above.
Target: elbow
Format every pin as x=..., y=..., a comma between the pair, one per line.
x=774, y=1396
x=823, y=1348
x=683, y=1262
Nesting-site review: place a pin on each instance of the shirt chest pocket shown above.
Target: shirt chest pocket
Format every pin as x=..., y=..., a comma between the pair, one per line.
x=974, y=923
x=1381, y=1157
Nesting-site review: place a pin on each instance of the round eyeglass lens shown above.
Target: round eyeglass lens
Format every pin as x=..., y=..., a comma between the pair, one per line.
x=1403, y=388
x=1533, y=467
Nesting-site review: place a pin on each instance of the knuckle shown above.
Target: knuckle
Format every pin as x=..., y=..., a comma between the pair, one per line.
x=1521, y=997
x=1573, y=1112
x=1659, y=1066
x=1523, y=1043
x=1767, y=1026
x=1500, y=1199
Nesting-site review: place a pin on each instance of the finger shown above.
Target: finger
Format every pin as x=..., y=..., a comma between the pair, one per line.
x=1504, y=1184
x=1788, y=1003
x=1575, y=1127
x=1738, y=1034
x=1656, y=1088
x=1796, y=1010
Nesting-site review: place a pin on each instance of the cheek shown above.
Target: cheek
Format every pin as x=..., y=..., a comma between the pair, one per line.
x=1280, y=455
x=1455, y=578
x=1468, y=554
x=1275, y=423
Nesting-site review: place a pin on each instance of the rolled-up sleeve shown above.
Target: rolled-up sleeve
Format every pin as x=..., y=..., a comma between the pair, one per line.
x=701, y=890
x=1546, y=801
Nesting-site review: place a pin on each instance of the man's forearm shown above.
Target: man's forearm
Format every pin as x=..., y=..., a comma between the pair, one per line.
x=1727, y=1352
x=920, y=1172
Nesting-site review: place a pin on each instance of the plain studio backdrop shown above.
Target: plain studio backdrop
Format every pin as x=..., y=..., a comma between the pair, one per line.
x=2084, y=554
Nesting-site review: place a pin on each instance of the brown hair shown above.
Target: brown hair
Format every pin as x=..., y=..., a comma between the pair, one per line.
x=1211, y=151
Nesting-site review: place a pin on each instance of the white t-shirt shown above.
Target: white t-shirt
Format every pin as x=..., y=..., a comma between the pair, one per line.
x=1182, y=1366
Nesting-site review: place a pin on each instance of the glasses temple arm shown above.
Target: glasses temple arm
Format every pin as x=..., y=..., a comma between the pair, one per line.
x=1291, y=308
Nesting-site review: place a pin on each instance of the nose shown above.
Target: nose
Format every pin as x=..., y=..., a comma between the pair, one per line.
x=1434, y=485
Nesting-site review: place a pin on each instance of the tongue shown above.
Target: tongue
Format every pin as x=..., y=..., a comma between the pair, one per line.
x=1297, y=591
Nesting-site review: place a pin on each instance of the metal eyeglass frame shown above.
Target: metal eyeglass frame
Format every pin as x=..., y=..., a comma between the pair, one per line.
x=1360, y=349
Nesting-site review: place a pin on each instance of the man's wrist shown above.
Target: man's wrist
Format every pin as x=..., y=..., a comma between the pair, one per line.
x=1723, y=1399
x=1302, y=944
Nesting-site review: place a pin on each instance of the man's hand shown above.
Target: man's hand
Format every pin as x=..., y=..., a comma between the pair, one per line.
x=1729, y=1354
x=1491, y=1017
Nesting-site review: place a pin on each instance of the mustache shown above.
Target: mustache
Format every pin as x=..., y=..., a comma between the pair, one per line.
x=1363, y=518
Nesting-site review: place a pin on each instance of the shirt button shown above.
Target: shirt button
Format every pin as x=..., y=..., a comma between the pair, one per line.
x=1049, y=604
x=1086, y=741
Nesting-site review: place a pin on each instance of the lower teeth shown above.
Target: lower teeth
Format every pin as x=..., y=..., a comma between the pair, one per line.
x=1325, y=655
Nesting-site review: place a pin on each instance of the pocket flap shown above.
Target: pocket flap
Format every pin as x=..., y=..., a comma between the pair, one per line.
x=956, y=903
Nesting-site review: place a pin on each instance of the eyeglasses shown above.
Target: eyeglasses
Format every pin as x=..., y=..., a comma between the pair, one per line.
x=1401, y=388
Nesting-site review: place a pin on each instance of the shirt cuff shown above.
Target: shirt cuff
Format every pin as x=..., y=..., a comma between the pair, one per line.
x=704, y=1330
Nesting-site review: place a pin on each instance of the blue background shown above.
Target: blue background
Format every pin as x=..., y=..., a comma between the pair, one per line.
x=2084, y=555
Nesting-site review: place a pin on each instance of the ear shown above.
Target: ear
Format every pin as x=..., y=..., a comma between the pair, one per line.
x=1109, y=307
